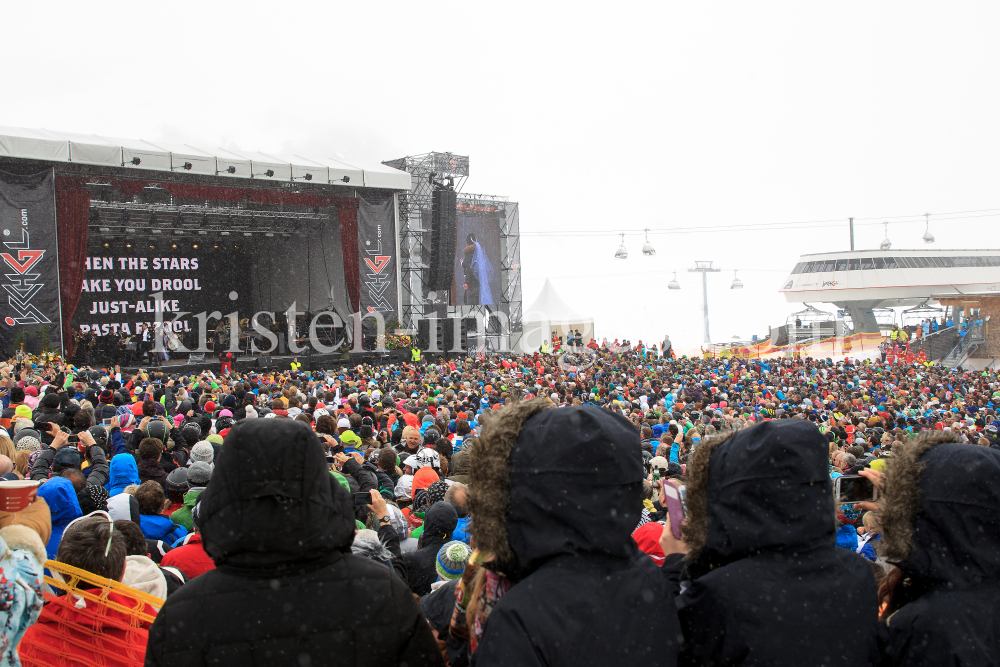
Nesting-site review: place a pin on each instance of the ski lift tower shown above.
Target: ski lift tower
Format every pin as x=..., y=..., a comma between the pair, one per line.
x=704, y=268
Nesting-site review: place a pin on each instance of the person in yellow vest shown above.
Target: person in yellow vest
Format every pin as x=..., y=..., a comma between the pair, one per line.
x=296, y=365
x=415, y=355
x=545, y=347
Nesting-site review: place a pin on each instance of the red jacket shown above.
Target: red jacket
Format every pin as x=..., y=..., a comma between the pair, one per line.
x=65, y=635
x=190, y=558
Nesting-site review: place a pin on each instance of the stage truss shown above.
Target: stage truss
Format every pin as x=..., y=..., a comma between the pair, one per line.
x=414, y=241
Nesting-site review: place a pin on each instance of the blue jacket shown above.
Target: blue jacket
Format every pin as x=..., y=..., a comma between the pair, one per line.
x=60, y=496
x=124, y=472
x=461, y=531
x=159, y=527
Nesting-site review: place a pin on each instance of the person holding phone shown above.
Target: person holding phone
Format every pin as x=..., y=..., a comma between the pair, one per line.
x=939, y=526
x=543, y=482
x=760, y=527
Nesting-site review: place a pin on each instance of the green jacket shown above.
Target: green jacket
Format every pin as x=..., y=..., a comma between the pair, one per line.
x=182, y=517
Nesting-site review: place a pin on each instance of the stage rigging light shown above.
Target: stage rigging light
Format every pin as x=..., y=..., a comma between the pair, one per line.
x=187, y=166
x=307, y=177
x=228, y=170
x=136, y=161
x=269, y=173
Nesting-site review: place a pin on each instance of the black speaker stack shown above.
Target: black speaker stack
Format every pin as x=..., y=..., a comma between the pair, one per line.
x=441, y=260
x=443, y=330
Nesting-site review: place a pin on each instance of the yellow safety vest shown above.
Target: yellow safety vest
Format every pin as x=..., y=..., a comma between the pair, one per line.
x=545, y=348
x=415, y=355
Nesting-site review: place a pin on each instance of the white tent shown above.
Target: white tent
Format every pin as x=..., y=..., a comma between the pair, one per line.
x=550, y=314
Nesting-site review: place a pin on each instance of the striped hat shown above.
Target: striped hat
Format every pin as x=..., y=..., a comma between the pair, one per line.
x=451, y=560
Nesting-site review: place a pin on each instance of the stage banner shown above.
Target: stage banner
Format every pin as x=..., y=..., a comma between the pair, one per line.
x=29, y=301
x=377, y=249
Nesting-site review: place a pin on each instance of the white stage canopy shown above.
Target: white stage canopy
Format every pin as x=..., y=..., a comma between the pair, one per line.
x=54, y=146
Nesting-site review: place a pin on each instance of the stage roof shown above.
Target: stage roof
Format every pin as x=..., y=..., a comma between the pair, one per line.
x=53, y=146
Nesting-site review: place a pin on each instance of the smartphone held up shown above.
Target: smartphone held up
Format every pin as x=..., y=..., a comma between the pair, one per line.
x=850, y=489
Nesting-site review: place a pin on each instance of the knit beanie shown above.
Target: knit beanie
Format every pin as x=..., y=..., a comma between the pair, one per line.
x=199, y=474
x=203, y=451
x=28, y=443
x=451, y=560
x=22, y=411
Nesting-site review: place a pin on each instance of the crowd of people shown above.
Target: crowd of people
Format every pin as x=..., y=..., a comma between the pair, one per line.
x=503, y=510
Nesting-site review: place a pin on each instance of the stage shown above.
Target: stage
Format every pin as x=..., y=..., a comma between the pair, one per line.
x=313, y=362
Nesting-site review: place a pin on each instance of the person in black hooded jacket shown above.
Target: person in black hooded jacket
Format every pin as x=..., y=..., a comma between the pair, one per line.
x=286, y=589
x=439, y=524
x=940, y=518
x=768, y=586
x=554, y=496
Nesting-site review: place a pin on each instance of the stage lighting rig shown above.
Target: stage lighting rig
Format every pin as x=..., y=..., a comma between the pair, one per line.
x=187, y=166
x=269, y=173
x=228, y=170
x=307, y=177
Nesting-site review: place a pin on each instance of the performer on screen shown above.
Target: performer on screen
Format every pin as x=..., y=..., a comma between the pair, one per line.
x=478, y=272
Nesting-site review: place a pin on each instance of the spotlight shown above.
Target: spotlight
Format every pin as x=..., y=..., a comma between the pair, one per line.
x=128, y=245
x=152, y=247
x=247, y=234
x=173, y=245
x=307, y=177
x=195, y=246
x=157, y=231
x=346, y=179
x=186, y=167
x=104, y=230
x=224, y=233
x=106, y=245
x=269, y=234
x=269, y=173
x=228, y=170
x=136, y=161
x=215, y=246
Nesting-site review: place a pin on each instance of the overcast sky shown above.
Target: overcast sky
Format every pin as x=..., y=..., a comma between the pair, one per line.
x=593, y=117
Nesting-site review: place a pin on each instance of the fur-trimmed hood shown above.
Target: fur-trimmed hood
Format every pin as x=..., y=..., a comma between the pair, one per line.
x=763, y=488
x=941, y=511
x=545, y=483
